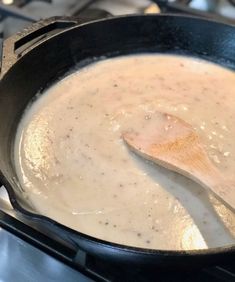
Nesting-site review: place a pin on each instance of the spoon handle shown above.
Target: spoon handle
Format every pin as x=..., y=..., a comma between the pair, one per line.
x=201, y=169
x=205, y=174
x=211, y=178
x=196, y=166
x=225, y=191
x=174, y=144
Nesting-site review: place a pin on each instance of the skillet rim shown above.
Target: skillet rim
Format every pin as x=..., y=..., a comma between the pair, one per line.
x=71, y=232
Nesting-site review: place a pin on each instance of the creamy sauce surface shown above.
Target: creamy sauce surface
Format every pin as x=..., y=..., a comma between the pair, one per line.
x=76, y=169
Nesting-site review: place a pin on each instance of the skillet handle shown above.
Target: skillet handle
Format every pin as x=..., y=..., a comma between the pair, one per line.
x=24, y=41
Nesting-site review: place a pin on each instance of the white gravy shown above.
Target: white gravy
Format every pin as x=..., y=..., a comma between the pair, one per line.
x=75, y=168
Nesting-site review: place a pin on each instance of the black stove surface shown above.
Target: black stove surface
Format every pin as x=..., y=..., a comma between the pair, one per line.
x=14, y=15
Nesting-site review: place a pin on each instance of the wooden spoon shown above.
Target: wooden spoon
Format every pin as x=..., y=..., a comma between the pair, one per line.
x=175, y=145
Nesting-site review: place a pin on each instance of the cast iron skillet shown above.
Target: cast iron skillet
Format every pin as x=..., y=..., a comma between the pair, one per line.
x=36, y=57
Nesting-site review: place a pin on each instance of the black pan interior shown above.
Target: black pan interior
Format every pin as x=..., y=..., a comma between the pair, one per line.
x=78, y=45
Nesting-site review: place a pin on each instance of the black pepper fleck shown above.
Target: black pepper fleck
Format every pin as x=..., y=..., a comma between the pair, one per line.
x=147, y=117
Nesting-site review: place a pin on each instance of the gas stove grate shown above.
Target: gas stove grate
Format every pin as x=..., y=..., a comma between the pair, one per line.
x=23, y=11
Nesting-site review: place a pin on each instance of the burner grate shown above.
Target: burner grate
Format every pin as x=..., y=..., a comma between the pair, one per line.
x=15, y=12
x=20, y=13
x=211, y=11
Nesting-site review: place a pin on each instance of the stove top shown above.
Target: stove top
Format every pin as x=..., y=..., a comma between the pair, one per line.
x=16, y=14
x=26, y=251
